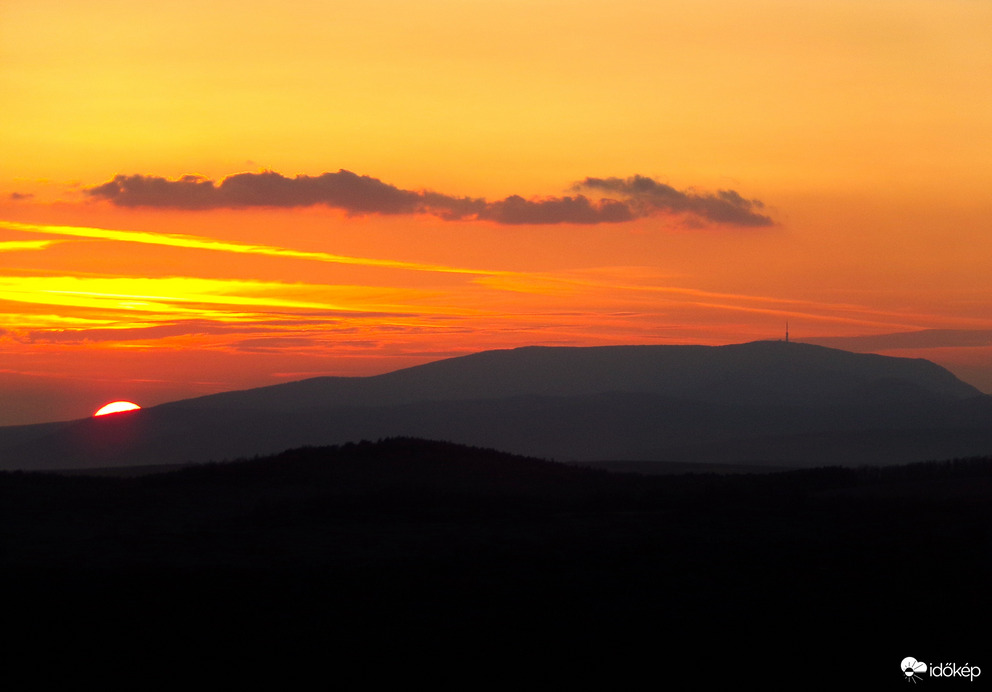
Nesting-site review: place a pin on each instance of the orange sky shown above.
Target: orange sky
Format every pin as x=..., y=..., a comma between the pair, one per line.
x=856, y=138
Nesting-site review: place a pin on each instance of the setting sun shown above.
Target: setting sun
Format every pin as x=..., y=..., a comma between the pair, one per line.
x=117, y=407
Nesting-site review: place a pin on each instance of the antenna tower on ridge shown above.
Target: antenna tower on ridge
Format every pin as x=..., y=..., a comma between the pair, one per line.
x=787, y=331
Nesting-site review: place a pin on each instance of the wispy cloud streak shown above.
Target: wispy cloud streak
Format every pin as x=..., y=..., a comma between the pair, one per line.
x=19, y=245
x=200, y=243
x=546, y=284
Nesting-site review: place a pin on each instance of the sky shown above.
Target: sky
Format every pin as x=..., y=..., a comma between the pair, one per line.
x=198, y=197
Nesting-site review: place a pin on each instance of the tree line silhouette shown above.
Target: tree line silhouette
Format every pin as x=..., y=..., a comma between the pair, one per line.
x=417, y=541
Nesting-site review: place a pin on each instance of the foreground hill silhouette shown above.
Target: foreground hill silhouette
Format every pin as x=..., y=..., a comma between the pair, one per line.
x=376, y=552
x=773, y=403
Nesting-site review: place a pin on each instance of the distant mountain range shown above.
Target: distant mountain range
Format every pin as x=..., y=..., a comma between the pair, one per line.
x=771, y=403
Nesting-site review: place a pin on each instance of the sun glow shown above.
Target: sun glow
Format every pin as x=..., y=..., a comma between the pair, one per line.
x=116, y=407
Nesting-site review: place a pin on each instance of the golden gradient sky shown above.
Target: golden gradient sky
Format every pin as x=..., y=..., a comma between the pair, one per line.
x=864, y=129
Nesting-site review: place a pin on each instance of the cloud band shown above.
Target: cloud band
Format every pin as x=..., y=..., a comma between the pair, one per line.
x=624, y=199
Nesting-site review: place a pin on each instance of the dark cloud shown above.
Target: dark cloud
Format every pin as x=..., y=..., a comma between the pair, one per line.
x=359, y=194
x=343, y=190
x=626, y=199
x=189, y=192
x=649, y=197
x=20, y=196
x=517, y=210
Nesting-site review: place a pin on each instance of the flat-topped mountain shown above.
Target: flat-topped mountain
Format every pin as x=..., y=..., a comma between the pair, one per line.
x=763, y=371
x=763, y=402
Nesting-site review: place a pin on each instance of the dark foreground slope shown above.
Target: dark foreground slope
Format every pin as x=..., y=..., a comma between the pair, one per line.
x=415, y=559
x=765, y=402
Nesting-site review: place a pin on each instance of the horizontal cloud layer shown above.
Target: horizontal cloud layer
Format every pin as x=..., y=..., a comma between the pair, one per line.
x=624, y=199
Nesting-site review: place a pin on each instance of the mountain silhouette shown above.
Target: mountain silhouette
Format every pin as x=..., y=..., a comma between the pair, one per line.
x=773, y=403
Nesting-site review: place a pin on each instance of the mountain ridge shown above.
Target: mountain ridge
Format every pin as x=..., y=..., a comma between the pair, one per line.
x=567, y=370
x=754, y=402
